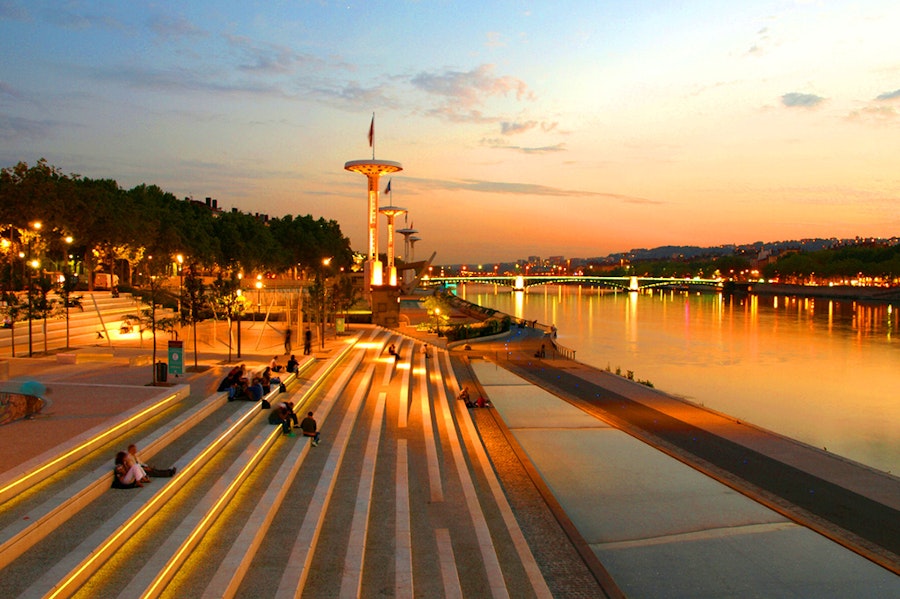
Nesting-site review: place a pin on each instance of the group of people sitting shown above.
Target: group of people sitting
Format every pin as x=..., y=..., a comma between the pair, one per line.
x=240, y=387
x=130, y=471
x=283, y=414
x=481, y=402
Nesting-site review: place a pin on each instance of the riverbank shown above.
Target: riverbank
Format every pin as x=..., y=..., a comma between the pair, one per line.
x=854, y=505
x=889, y=295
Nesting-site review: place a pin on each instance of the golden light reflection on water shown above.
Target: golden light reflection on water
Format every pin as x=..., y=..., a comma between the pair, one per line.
x=825, y=372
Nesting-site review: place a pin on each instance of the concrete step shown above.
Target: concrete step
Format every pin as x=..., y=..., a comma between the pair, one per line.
x=398, y=496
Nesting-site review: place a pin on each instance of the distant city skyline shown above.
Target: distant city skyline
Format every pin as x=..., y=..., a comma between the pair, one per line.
x=574, y=128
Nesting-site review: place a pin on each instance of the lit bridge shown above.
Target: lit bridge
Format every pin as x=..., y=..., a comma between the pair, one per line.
x=623, y=283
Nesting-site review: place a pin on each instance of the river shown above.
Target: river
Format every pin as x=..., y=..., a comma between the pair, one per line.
x=824, y=372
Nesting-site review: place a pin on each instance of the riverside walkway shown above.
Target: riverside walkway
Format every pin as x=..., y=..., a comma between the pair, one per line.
x=679, y=501
x=400, y=499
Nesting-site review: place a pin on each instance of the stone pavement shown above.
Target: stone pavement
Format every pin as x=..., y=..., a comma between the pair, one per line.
x=662, y=528
x=600, y=509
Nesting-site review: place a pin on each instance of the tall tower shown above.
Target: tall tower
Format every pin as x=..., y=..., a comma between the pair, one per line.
x=412, y=247
x=390, y=212
x=406, y=232
x=373, y=170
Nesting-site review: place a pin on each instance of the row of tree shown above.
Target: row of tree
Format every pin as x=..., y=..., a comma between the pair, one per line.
x=874, y=262
x=94, y=224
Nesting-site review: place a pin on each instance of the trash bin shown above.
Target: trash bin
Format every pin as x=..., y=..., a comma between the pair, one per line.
x=162, y=372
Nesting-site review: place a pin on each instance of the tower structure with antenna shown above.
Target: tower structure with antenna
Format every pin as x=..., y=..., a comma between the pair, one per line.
x=373, y=170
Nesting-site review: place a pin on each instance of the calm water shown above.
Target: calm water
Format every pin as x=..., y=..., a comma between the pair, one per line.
x=824, y=372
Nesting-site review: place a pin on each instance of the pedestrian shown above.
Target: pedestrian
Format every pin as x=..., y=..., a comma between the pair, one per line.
x=307, y=342
x=287, y=341
x=310, y=428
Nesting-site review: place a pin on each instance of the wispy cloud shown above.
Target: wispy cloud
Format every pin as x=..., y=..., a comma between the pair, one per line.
x=762, y=39
x=495, y=40
x=16, y=128
x=798, y=100
x=267, y=58
x=471, y=88
x=13, y=11
x=170, y=27
x=879, y=114
x=456, y=115
x=894, y=95
x=8, y=91
x=501, y=144
x=510, y=188
x=507, y=128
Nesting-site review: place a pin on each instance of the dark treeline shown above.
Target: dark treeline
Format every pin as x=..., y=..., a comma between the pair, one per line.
x=93, y=225
x=873, y=262
x=868, y=261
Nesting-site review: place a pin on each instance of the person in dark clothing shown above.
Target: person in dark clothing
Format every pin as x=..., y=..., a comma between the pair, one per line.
x=292, y=364
x=307, y=342
x=287, y=340
x=310, y=428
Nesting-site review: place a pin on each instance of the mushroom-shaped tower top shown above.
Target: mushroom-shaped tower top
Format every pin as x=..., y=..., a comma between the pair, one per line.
x=391, y=211
x=372, y=168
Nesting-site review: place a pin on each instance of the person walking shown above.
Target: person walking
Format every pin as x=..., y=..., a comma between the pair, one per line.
x=287, y=341
x=307, y=342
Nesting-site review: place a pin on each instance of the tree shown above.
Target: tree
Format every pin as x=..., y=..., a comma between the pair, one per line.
x=228, y=302
x=148, y=320
x=39, y=306
x=12, y=309
x=67, y=298
x=344, y=293
x=193, y=301
x=318, y=304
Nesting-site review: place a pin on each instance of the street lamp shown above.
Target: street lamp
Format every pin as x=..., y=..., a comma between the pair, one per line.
x=259, y=285
x=36, y=225
x=240, y=293
x=437, y=320
x=180, y=259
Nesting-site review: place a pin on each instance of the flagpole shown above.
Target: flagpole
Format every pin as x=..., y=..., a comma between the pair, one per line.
x=372, y=129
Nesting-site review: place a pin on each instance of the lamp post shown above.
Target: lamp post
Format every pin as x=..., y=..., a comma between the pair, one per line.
x=326, y=262
x=238, y=306
x=180, y=259
x=259, y=285
x=36, y=225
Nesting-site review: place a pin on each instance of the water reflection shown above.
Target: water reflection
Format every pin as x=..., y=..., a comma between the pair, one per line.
x=824, y=372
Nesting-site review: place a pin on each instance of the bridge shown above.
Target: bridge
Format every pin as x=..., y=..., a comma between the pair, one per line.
x=632, y=283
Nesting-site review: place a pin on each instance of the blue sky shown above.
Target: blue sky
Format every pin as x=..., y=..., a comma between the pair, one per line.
x=568, y=128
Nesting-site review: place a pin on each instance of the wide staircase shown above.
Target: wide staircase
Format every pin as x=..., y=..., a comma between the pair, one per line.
x=101, y=319
x=399, y=499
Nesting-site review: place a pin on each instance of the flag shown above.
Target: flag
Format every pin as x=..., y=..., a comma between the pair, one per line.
x=387, y=189
x=372, y=132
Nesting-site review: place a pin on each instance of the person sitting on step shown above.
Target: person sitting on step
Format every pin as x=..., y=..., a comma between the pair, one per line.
x=310, y=428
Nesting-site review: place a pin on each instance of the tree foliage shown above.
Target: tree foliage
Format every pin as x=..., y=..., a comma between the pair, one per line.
x=844, y=262
x=115, y=229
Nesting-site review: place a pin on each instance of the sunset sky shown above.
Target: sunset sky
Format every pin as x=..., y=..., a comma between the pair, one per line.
x=524, y=128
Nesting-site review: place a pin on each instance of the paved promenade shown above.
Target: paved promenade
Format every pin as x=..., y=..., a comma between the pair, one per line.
x=676, y=500
x=618, y=489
